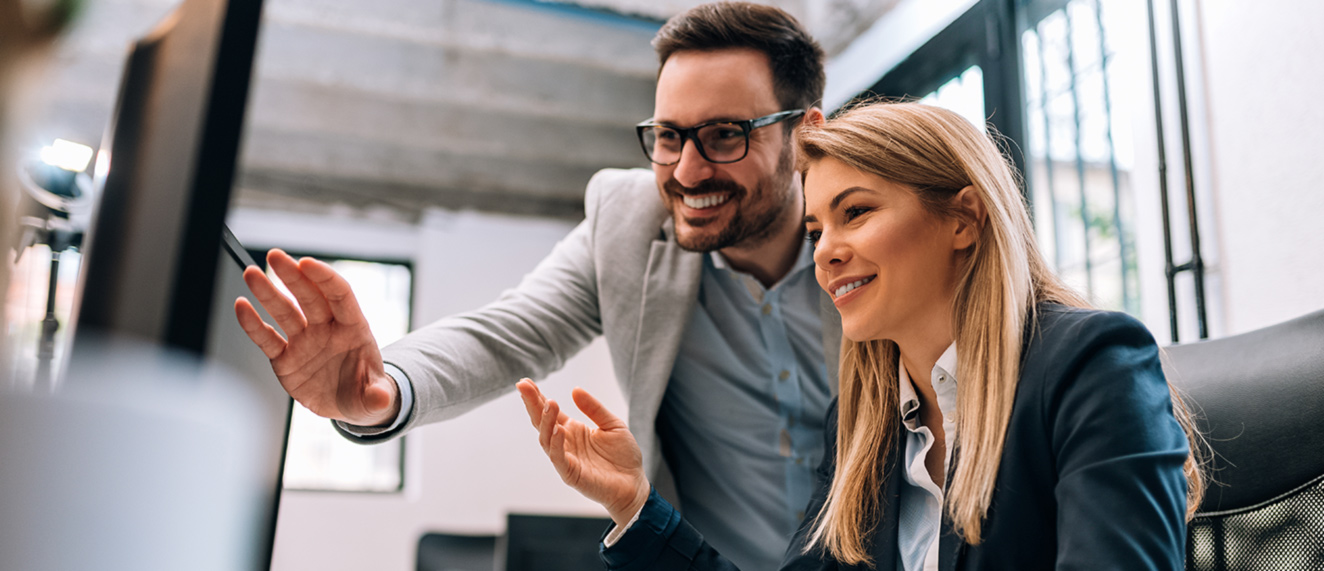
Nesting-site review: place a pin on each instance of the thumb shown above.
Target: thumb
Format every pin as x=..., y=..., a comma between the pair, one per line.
x=597, y=413
x=379, y=395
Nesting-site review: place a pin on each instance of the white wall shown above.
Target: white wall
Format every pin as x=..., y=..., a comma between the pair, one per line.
x=464, y=475
x=1266, y=139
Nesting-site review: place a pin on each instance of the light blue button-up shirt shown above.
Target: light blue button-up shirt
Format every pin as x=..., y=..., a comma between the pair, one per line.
x=742, y=420
x=919, y=507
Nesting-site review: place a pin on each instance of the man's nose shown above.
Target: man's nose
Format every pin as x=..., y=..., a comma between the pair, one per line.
x=692, y=168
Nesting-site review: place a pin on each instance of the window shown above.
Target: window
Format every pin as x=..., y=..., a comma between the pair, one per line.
x=1079, y=155
x=318, y=457
x=963, y=94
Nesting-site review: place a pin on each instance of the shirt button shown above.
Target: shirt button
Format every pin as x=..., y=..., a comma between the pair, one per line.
x=800, y=461
x=942, y=378
x=784, y=374
x=800, y=514
x=767, y=309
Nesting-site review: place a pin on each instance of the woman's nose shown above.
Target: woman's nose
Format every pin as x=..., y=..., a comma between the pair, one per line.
x=830, y=250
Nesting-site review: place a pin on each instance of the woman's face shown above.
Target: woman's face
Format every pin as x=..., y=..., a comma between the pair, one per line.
x=888, y=264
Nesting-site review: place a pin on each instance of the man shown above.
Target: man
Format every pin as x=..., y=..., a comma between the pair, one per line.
x=698, y=277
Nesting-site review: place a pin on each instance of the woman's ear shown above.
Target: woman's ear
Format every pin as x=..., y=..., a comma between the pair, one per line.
x=972, y=217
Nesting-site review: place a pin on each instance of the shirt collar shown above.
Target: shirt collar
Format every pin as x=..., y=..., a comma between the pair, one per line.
x=909, y=399
x=803, y=260
x=947, y=362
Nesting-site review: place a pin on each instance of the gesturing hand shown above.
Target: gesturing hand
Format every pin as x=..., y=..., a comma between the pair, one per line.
x=604, y=463
x=328, y=360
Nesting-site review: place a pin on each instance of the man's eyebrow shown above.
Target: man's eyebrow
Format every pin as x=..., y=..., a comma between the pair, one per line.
x=717, y=119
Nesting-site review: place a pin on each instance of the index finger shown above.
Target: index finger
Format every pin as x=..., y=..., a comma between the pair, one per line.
x=533, y=400
x=311, y=299
x=340, y=297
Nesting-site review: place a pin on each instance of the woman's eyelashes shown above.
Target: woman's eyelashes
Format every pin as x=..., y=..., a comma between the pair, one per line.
x=852, y=212
x=848, y=214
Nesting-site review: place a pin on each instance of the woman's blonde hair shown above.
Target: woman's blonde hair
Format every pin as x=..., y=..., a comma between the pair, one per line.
x=936, y=153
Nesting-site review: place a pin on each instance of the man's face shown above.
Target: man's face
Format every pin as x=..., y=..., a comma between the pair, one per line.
x=720, y=205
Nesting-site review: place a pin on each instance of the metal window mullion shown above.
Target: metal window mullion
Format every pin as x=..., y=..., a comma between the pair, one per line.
x=1080, y=160
x=1169, y=271
x=1197, y=262
x=1112, y=160
x=1048, y=154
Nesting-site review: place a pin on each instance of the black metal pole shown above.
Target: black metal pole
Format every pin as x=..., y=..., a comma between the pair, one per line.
x=1197, y=262
x=1168, y=270
x=49, y=325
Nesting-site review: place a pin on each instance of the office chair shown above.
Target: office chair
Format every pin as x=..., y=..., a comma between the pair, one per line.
x=1259, y=401
x=446, y=552
x=552, y=543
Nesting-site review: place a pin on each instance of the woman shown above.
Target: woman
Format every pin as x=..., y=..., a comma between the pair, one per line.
x=986, y=418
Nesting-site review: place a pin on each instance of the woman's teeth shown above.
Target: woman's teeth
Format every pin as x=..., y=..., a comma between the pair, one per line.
x=843, y=290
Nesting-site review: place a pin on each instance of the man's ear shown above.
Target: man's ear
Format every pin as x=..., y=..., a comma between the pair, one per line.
x=814, y=116
x=972, y=219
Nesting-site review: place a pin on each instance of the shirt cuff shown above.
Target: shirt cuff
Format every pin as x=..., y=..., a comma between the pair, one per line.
x=406, y=406
x=617, y=531
x=643, y=542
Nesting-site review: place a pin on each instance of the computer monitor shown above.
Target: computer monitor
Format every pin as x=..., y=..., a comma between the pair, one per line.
x=165, y=172
x=154, y=270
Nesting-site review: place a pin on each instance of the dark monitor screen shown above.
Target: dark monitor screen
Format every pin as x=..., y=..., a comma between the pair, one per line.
x=165, y=173
x=154, y=268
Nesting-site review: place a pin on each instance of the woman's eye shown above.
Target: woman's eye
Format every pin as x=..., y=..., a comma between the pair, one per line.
x=812, y=237
x=854, y=212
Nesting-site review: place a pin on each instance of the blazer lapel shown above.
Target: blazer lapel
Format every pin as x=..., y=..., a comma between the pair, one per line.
x=950, y=544
x=671, y=288
x=885, y=546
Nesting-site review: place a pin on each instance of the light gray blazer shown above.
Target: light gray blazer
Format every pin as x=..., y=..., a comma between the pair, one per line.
x=619, y=274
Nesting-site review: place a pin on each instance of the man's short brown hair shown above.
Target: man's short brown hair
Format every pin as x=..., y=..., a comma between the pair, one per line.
x=796, y=59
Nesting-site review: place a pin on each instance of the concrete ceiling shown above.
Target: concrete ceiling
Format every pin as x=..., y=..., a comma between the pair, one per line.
x=394, y=106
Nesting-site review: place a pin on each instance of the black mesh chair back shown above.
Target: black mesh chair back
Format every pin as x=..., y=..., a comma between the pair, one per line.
x=448, y=552
x=1259, y=401
x=552, y=543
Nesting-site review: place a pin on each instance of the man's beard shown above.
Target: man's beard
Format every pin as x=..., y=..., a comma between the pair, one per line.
x=751, y=224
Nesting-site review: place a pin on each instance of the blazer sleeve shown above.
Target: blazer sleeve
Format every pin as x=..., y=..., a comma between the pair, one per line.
x=1121, y=491
x=662, y=540
x=463, y=361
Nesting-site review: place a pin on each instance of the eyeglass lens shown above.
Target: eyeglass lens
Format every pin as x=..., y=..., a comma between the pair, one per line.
x=718, y=142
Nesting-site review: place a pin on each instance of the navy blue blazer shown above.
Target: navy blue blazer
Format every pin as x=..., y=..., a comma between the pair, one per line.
x=1091, y=474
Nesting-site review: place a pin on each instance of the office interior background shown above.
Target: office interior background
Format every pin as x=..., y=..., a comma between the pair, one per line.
x=437, y=150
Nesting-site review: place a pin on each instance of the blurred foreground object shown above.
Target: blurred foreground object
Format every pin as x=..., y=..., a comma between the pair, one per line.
x=28, y=29
x=142, y=459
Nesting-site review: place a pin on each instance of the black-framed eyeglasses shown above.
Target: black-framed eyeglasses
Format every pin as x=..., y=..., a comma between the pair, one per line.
x=717, y=142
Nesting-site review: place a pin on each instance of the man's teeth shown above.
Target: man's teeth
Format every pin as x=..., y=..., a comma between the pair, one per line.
x=843, y=290
x=705, y=201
